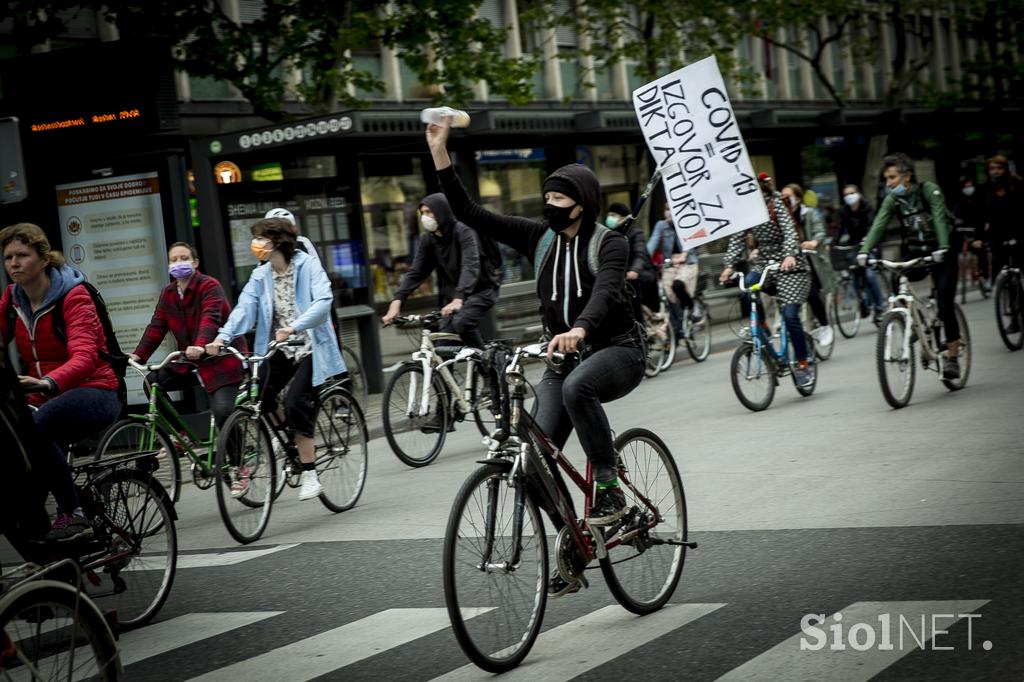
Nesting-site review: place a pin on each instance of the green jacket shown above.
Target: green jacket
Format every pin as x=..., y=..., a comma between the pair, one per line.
x=924, y=224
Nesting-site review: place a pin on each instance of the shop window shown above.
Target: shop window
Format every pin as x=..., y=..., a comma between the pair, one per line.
x=392, y=232
x=510, y=184
x=208, y=88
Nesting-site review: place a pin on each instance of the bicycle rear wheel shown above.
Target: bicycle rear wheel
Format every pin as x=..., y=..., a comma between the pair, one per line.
x=245, y=454
x=495, y=591
x=1008, y=293
x=896, y=367
x=643, y=570
x=48, y=627
x=753, y=377
x=415, y=439
x=655, y=356
x=135, y=571
x=341, y=454
x=131, y=436
x=669, y=346
x=360, y=389
x=846, y=308
x=964, y=356
x=698, y=337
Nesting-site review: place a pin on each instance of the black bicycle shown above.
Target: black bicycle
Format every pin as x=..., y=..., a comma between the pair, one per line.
x=1008, y=292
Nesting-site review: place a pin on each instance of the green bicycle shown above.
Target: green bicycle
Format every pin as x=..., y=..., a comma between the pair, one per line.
x=162, y=428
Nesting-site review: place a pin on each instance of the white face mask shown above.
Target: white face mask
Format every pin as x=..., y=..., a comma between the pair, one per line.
x=428, y=223
x=968, y=191
x=851, y=199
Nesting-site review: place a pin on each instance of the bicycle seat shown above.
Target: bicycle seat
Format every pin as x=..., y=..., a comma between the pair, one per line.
x=446, y=352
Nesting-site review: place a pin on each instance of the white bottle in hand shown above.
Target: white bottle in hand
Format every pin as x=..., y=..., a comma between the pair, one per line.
x=436, y=115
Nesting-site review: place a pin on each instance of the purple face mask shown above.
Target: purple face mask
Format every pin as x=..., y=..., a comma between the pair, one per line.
x=181, y=270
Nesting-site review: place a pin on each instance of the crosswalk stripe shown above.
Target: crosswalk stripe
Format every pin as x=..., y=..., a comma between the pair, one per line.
x=326, y=652
x=602, y=635
x=787, y=661
x=209, y=559
x=159, y=638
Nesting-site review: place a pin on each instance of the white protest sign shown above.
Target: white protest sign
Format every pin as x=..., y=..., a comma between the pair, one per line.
x=691, y=131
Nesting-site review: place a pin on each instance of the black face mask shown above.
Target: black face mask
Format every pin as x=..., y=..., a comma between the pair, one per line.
x=557, y=217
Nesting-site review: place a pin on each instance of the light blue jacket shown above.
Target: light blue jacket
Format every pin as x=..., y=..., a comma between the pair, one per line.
x=664, y=238
x=313, y=298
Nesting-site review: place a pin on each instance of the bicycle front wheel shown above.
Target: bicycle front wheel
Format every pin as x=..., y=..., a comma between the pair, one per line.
x=670, y=347
x=341, y=454
x=134, y=572
x=246, y=472
x=360, y=390
x=698, y=337
x=131, y=436
x=50, y=631
x=485, y=412
x=495, y=587
x=846, y=308
x=415, y=438
x=644, y=567
x=655, y=356
x=753, y=377
x=1007, y=294
x=895, y=359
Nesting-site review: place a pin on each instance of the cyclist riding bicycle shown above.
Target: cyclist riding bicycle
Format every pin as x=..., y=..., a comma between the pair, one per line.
x=467, y=279
x=678, y=268
x=811, y=232
x=776, y=240
x=640, y=272
x=924, y=230
x=287, y=296
x=76, y=389
x=192, y=308
x=1001, y=205
x=855, y=219
x=584, y=308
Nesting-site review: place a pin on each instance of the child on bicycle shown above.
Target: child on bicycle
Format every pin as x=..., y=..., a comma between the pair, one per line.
x=777, y=241
x=288, y=297
x=582, y=309
x=192, y=308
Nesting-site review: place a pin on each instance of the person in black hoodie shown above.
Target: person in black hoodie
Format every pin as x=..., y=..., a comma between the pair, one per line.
x=467, y=284
x=639, y=273
x=583, y=309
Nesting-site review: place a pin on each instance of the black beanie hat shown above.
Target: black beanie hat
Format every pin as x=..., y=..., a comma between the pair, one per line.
x=619, y=209
x=555, y=183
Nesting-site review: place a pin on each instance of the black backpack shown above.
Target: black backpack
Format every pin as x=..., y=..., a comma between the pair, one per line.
x=113, y=354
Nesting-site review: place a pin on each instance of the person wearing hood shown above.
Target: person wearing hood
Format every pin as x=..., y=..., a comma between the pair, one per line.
x=467, y=284
x=583, y=308
x=1001, y=206
x=74, y=388
x=855, y=218
x=192, y=308
x=640, y=272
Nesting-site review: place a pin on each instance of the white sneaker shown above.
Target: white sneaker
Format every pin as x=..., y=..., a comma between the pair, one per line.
x=824, y=335
x=311, y=486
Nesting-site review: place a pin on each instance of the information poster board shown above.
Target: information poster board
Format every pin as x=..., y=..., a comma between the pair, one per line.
x=113, y=231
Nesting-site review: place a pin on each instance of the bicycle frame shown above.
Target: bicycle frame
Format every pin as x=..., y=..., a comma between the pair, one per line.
x=755, y=291
x=431, y=364
x=917, y=318
x=533, y=452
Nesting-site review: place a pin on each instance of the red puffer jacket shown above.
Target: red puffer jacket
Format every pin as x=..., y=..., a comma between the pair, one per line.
x=75, y=365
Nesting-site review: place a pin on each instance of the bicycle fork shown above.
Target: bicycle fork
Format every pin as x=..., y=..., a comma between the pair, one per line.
x=518, y=515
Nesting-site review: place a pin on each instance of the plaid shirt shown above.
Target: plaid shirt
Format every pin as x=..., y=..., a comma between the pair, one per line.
x=193, y=320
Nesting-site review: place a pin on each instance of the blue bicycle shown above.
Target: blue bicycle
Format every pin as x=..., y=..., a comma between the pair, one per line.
x=756, y=366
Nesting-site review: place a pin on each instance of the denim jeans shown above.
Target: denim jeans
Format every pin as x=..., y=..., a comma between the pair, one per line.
x=573, y=400
x=867, y=278
x=67, y=418
x=790, y=315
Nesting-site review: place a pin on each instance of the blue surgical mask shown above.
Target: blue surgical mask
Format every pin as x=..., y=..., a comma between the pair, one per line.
x=899, y=190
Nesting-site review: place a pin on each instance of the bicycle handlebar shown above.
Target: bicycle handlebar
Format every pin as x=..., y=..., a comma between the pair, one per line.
x=253, y=357
x=142, y=367
x=901, y=265
x=417, y=321
x=764, y=274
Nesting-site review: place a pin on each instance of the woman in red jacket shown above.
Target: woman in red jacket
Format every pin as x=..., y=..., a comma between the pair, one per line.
x=192, y=308
x=73, y=387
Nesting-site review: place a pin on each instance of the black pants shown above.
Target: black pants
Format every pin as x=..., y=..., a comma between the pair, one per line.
x=945, y=276
x=222, y=401
x=300, y=401
x=814, y=298
x=466, y=322
x=573, y=400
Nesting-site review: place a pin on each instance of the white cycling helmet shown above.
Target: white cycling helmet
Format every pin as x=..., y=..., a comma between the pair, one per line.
x=281, y=213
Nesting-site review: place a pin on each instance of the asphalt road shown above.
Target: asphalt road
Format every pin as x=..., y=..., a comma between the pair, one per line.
x=823, y=505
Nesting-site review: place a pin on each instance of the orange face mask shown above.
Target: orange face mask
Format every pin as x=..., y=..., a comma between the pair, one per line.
x=261, y=248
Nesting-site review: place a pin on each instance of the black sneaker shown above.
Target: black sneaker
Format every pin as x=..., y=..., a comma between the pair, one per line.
x=433, y=424
x=863, y=309
x=68, y=528
x=558, y=587
x=609, y=506
x=951, y=369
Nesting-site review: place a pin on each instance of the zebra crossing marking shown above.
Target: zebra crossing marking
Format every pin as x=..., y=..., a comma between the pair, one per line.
x=211, y=559
x=786, y=660
x=604, y=634
x=328, y=651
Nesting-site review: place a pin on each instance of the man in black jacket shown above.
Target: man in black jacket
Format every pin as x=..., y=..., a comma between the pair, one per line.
x=467, y=283
x=639, y=272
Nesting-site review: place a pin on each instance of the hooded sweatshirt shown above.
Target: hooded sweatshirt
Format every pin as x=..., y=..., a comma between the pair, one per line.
x=455, y=252
x=570, y=296
x=76, y=364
